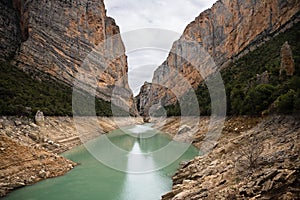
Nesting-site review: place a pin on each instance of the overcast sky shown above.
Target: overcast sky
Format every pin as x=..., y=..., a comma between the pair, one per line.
x=148, y=48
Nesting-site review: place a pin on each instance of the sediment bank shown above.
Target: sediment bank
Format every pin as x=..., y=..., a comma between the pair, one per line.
x=29, y=151
x=254, y=158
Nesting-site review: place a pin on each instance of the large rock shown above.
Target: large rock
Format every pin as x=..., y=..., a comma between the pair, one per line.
x=55, y=37
x=142, y=98
x=39, y=118
x=287, y=61
x=227, y=31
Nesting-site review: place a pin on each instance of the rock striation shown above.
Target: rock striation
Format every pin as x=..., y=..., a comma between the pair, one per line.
x=57, y=38
x=227, y=31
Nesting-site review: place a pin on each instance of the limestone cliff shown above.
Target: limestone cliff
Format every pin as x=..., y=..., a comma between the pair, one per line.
x=55, y=37
x=9, y=31
x=142, y=98
x=227, y=31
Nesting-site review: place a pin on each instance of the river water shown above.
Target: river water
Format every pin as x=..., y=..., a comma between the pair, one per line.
x=93, y=180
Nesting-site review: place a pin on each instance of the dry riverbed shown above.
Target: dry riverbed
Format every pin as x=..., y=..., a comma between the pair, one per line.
x=254, y=158
x=29, y=151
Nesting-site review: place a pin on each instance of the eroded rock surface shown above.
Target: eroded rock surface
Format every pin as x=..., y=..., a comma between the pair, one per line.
x=29, y=152
x=68, y=40
x=287, y=61
x=227, y=31
x=226, y=173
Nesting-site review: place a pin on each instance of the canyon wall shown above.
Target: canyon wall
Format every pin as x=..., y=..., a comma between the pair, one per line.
x=227, y=31
x=57, y=38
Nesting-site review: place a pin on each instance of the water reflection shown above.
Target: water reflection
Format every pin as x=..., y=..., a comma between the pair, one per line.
x=92, y=180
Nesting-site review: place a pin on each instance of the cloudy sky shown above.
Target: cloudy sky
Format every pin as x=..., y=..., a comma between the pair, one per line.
x=148, y=29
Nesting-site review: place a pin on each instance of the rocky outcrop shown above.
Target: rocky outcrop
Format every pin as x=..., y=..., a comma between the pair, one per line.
x=63, y=39
x=142, y=98
x=287, y=61
x=227, y=31
x=39, y=118
x=28, y=152
x=24, y=165
x=58, y=134
x=9, y=31
x=235, y=169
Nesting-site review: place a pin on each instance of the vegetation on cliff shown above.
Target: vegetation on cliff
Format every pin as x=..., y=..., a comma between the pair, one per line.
x=254, y=84
x=20, y=94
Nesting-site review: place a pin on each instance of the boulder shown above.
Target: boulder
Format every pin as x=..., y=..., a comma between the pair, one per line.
x=146, y=119
x=39, y=118
x=184, y=129
x=17, y=122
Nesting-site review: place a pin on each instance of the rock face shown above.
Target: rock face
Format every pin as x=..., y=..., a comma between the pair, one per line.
x=142, y=98
x=225, y=172
x=287, y=61
x=9, y=31
x=227, y=31
x=58, y=37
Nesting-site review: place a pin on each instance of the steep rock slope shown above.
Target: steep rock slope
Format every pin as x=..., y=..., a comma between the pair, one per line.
x=227, y=31
x=142, y=98
x=56, y=37
x=260, y=162
x=9, y=31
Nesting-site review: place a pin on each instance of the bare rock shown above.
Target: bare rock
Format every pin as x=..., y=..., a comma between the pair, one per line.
x=146, y=119
x=227, y=31
x=142, y=99
x=55, y=37
x=39, y=118
x=43, y=173
x=33, y=136
x=287, y=61
x=184, y=129
x=18, y=122
x=262, y=78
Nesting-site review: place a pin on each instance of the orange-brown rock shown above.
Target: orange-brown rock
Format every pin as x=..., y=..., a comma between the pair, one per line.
x=230, y=29
x=24, y=165
x=287, y=61
x=58, y=38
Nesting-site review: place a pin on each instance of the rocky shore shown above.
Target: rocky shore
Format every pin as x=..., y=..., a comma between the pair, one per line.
x=255, y=158
x=29, y=148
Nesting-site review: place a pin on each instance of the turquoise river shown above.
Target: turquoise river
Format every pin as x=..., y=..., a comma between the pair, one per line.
x=93, y=180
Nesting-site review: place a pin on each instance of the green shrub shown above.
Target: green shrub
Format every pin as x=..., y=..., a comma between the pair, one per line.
x=50, y=96
x=245, y=95
x=258, y=99
x=286, y=102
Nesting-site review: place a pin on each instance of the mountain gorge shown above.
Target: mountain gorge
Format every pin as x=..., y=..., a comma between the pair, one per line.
x=49, y=46
x=57, y=38
x=225, y=33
